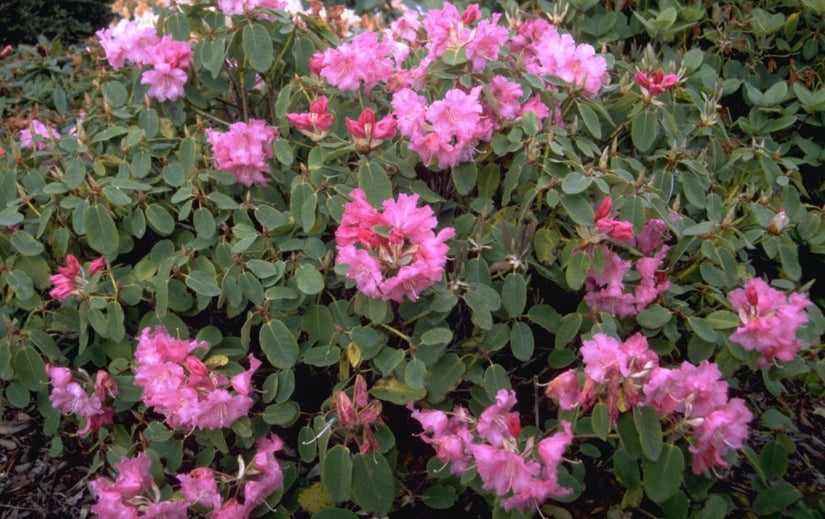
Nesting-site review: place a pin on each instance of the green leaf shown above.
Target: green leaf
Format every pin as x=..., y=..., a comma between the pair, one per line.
x=522, y=342
x=649, y=429
x=101, y=232
x=643, y=130
x=578, y=208
x=373, y=483
x=465, y=176
x=178, y=26
x=663, y=477
x=334, y=513
x=773, y=459
x=495, y=378
x=514, y=294
x=591, y=120
x=440, y=497
x=414, y=373
x=392, y=390
x=336, y=473
x=575, y=183
x=159, y=219
x=577, y=268
x=653, y=317
x=307, y=444
x=443, y=376
x=25, y=244
x=278, y=344
x=373, y=180
x=203, y=283
x=308, y=279
x=773, y=500
x=30, y=368
x=322, y=356
x=722, y=320
x=702, y=328
x=600, y=420
x=716, y=507
x=116, y=95
x=283, y=414
x=257, y=47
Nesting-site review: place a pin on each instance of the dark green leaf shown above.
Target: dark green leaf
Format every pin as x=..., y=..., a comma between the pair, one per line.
x=663, y=477
x=373, y=483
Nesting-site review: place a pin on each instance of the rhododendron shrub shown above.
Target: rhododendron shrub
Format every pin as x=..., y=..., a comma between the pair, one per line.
x=492, y=260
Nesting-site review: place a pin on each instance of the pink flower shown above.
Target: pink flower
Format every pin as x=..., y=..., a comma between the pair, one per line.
x=655, y=83
x=181, y=387
x=769, y=320
x=316, y=123
x=457, y=115
x=38, y=132
x=565, y=389
x=507, y=94
x=400, y=261
x=244, y=150
x=71, y=279
x=133, y=477
x=166, y=510
x=723, y=429
x=71, y=397
x=363, y=60
x=496, y=422
x=176, y=54
x=369, y=134
x=486, y=42
x=199, y=486
x=165, y=82
x=127, y=41
x=504, y=471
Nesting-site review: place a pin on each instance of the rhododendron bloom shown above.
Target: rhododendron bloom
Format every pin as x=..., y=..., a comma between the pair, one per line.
x=316, y=123
x=394, y=254
x=182, y=388
x=71, y=397
x=720, y=431
x=71, y=280
x=369, y=134
x=243, y=150
x=655, y=83
x=38, y=132
x=165, y=82
x=769, y=321
x=497, y=421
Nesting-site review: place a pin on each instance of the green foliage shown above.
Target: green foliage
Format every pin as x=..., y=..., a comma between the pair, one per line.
x=251, y=270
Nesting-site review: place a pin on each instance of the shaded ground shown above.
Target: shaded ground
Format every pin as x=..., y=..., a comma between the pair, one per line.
x=34, y=484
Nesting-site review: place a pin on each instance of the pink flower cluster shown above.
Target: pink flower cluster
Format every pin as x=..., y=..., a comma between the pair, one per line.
x=71, y=397
x=357, y=415
x=183, y=389
x=698, y=392
x=446, y=131
x=605, y=291
x=769, y=321
x=655, y=83
x=133, y=493
x=244, y=150
x=168, y=59
x=391, y=254
x=626, y=374
x=316, y=123
x=491, y=443
x=71, y=280
x=37, y=130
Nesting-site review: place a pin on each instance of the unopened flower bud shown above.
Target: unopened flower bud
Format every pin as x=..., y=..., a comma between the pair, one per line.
x=778, y=222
